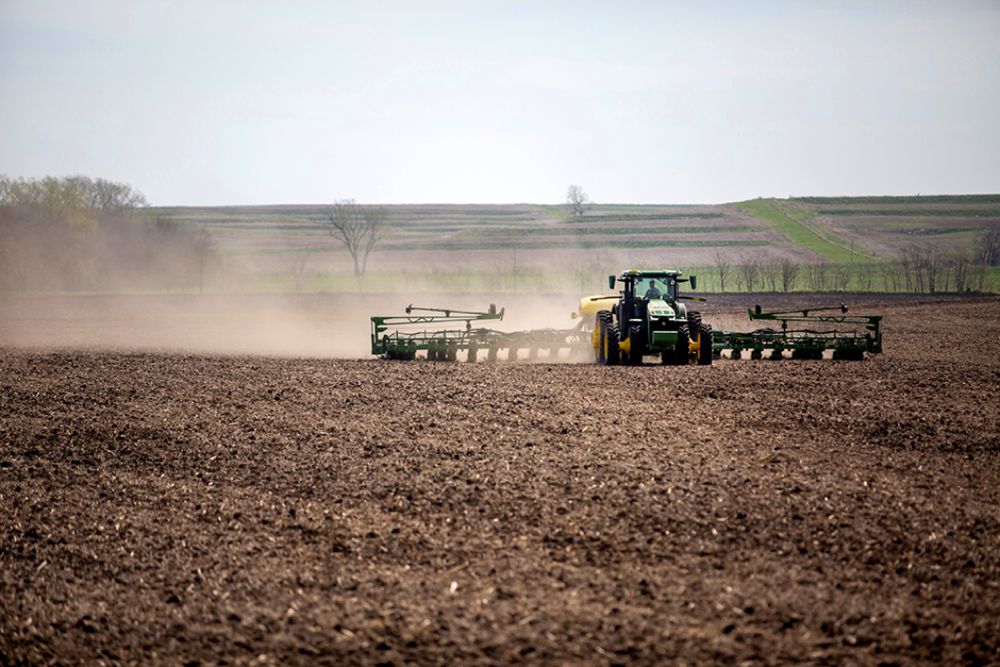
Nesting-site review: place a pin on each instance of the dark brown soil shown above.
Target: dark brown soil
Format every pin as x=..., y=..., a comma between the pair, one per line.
x=203, y=509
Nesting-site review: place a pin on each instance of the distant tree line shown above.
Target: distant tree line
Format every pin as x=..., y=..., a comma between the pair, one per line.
x=84, y=234
x=920, y=268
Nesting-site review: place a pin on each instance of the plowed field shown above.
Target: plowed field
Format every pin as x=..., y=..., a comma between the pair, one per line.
x=209, y=509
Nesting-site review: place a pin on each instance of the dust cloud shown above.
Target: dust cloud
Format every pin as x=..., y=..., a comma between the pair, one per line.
x=315, y=325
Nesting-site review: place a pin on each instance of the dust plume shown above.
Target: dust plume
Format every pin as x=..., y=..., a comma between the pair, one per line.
x=322, y=325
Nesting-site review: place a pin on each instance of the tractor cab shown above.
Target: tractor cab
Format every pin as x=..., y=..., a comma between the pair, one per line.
x=650, y=288
x=645, y=291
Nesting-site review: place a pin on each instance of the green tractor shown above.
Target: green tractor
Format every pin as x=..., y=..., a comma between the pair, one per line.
x=647, y=318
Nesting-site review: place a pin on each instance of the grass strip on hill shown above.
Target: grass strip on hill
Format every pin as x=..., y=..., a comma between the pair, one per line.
x=794, y=226
x=915, y=212
x=925, y=199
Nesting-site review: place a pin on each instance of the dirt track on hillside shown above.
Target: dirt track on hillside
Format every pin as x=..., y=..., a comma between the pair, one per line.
x=204, y=509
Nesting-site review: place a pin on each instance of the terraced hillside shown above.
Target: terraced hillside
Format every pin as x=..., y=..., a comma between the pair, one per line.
x=483, y=243
x=536, y=247
x=882, y=225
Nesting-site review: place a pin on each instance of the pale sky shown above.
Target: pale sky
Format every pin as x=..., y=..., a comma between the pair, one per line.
x=241, y=102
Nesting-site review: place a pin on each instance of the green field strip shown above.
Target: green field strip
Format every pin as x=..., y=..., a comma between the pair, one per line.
x=914, y=213
x=798, y=231
x=926, y=199
x=928, y=231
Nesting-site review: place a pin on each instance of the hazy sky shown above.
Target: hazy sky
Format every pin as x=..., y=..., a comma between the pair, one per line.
x=645, y=102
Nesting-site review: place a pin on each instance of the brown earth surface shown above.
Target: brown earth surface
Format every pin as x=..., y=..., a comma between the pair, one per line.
x=179, y=508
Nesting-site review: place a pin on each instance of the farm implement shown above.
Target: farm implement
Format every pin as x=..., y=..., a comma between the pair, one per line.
x=814, y=331
x=645, y=318
x=442, y=333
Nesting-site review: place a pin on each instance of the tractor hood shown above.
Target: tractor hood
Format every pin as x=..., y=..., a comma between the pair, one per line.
x=660, y=308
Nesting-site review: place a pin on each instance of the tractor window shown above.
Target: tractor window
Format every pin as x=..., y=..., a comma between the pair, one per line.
x=659, y=288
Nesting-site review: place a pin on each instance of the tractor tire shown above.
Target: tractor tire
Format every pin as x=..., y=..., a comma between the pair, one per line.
x=491, y=355
x=635, y=346
x=756, y=354
x=680, y=355
x=705, y=351
x=473, y=350
x=613, y=354
x=683, y=345
x=602, y=338
x=694, y=321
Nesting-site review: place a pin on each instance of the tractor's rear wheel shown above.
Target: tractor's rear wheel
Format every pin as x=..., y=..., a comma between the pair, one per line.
x=602, y=337
x=612, y=353
x=705, y=352
x=694, y=321
x=635, y=345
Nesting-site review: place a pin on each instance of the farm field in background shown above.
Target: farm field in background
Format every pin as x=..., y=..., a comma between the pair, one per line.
x=524, y=247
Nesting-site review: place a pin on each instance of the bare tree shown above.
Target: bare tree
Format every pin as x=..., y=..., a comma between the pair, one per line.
x=817, y=276
x=300, y=260
x=358, y=227
x=577, y=200
x=585, y=268
x=789, y=272
x=723, y=265
x=977, y=276
x=749, y=272
x=866, y=276
x=842, y=276
x=988, y=246
x=769, y=276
